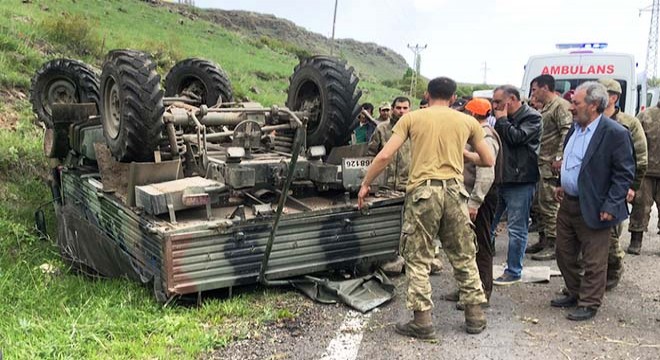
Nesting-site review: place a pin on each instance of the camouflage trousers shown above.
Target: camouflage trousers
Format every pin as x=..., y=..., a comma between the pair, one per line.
x=546, y=204
x=648, y=193
x=615, y=254
x=438, y=208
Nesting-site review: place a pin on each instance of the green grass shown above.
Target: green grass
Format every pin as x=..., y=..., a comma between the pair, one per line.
x=61, y=315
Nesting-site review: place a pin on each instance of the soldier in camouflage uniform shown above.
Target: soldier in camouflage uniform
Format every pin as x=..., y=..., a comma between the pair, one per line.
x=615, y=256
x=481, y=183
x=436, y=203
x=397, y=171
x=557, y=120
x=650, y=189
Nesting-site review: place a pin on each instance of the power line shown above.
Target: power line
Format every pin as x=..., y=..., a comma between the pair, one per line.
x=485, y=70
x=417, y=49
x=651, y=67
x=334, y=20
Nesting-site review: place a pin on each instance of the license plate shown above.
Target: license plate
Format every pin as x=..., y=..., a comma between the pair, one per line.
x=357, y=163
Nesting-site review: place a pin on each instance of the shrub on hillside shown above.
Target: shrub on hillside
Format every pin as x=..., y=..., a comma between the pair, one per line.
x=165, y=54
x=74, y=33
x=282, y=47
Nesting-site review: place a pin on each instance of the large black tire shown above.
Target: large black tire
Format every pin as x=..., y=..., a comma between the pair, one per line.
x=62, y=81
x=201, y=77
x=131, y=105
x=326, y=87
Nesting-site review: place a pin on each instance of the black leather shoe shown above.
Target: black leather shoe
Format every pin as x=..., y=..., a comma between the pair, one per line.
x=564, y=301
x=582, y=313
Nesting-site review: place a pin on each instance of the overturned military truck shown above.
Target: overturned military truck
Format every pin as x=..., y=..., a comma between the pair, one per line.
x=186, y=190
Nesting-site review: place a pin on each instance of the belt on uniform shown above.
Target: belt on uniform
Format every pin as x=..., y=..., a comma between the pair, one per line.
x=438, y=182
x=571, y=197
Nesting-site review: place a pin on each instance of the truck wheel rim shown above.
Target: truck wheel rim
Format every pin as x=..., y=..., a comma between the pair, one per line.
x=60, y=91
x=308, y=97
x=112, y=108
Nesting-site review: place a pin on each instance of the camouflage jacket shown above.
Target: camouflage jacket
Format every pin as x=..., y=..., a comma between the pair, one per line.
x=557, y=120
x=639, y=144
x=479, y=180
x=650, y=119
x=397, y=170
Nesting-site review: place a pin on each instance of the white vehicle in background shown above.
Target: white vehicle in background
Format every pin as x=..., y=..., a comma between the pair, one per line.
x=652, y=96
x=577, y=63
x=487, y=94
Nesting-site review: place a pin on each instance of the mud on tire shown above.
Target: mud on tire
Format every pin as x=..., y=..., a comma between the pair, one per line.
x=202, y=78
x=327, y=88
x=62, y=81
x=131, y=105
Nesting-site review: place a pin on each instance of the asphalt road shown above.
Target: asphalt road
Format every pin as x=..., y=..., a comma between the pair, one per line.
x=521, y=324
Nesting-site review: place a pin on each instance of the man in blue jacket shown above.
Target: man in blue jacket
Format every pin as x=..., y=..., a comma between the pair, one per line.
x=597, y=170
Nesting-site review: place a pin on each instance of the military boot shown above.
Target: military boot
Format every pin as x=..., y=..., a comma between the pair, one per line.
x=436, y=266
x=613, y=278
x=635, y=247
x=538, y=246
x=420, y=327
x=394, y=267
x=475, y=319
x=548, y=253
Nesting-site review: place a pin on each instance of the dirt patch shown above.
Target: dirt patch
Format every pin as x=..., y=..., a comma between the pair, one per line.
x=8, y=115
x=284, y=338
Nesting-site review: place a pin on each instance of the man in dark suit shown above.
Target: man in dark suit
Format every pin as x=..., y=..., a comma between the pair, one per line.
x=598, y=169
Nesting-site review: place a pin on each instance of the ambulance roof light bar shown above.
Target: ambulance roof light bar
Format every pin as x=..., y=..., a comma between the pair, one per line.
x=583, y=46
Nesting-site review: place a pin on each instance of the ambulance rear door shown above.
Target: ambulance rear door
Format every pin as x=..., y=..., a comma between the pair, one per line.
x=573, y=68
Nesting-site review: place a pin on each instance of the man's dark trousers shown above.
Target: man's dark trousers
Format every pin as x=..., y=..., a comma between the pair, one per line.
x=484, y=242
x=575, y=237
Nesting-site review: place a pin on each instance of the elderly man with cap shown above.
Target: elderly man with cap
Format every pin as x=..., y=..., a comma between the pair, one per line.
x=615, y=255
x=481, y=184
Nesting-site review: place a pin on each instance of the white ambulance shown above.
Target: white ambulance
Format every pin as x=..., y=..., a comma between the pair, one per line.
x=577, y=63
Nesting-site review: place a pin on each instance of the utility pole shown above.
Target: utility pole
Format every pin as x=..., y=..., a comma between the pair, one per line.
x=417, y=49
x=485, y=70
x=651, y=67
x=334, y=21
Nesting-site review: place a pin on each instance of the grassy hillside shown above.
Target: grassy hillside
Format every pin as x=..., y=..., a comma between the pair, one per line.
x=48, y=312
x=374, y=63
x=86, y=29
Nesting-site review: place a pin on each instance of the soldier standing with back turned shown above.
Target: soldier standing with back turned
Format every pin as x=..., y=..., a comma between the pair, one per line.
x=650, y=189
x=436, y=203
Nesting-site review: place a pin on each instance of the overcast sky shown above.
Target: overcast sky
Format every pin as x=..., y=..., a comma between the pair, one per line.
x=463, y=34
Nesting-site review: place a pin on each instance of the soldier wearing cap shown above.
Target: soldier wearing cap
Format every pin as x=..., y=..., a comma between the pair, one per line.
x=650, y=189
x=481, y=183
x=384, y=111
x=615, y=255
x=557, y=120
